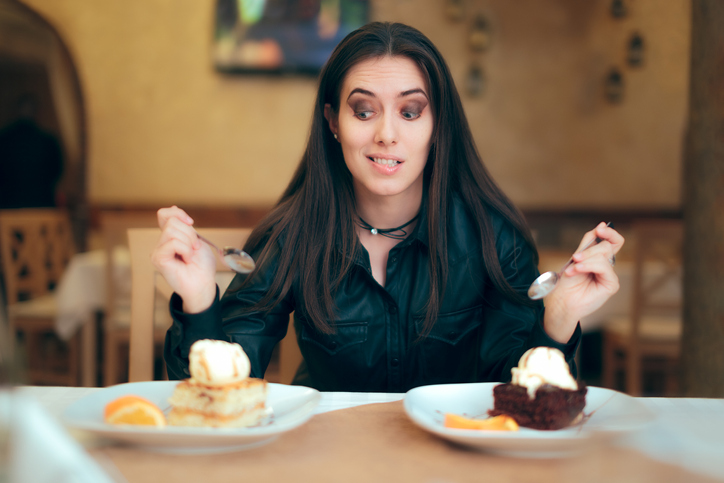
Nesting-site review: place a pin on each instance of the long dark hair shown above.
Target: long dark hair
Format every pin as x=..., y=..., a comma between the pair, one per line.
x=315, y=218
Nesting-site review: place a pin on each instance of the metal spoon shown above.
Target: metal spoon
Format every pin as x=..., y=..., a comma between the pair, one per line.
x=237, y=260
x=546, y=282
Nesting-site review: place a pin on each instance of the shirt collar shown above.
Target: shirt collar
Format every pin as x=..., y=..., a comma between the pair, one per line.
x=420, y=233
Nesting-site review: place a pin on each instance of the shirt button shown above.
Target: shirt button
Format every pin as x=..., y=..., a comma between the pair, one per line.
x=453, y=334
x=395, y=362
x=333, y=345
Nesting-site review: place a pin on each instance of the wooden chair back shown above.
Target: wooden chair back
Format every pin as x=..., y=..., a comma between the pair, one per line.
x=145, y=280
x=658, y=254
x=114, y=229
x=652, y=330
x=36, y=246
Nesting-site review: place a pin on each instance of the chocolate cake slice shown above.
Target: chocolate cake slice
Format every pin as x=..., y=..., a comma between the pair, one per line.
x=552, y=407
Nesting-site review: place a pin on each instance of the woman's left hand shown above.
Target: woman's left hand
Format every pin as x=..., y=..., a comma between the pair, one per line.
x=585, y=285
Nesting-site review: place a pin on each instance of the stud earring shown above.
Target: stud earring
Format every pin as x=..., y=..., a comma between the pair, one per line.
x=335, y=135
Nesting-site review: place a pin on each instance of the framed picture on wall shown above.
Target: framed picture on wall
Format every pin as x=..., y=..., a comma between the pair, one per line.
x=282, y=36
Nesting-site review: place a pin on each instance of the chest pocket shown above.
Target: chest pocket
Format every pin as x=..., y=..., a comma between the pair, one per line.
x=452, y=327
x=347, y=334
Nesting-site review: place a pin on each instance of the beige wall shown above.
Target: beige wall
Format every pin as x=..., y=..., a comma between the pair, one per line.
x=164, y=127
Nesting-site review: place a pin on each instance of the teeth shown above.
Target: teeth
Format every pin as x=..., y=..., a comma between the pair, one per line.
x=387, y=162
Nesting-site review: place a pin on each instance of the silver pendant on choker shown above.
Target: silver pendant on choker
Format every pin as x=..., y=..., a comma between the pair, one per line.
x=397, y=233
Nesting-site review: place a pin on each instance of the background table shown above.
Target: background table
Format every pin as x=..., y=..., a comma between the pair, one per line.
x=82, y=293
x=619, y=305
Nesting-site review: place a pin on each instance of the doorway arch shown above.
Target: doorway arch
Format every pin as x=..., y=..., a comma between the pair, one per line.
x=36, y=61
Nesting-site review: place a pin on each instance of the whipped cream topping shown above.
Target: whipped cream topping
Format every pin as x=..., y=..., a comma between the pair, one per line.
x=216, y=362
x=543, y=365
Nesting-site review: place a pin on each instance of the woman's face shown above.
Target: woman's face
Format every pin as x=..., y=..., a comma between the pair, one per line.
x=384, y=126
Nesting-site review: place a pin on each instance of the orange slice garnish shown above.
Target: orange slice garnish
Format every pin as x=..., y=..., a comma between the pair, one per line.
x=134, y=410
x=496, y=423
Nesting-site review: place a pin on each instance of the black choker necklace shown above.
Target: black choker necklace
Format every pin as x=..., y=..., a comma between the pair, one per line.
x=388, y=232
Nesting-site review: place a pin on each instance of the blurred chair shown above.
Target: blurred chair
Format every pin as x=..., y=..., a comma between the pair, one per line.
x=117, y=317
x=146, y=282
x=648, y=341
x=36, y=246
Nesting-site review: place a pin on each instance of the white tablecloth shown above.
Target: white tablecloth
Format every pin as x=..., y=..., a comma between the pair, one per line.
x=82, y=291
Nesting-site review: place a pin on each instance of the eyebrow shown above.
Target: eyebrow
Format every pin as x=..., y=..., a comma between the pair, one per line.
x=365, y=92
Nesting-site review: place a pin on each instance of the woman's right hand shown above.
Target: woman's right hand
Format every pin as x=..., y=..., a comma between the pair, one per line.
x=187, y=264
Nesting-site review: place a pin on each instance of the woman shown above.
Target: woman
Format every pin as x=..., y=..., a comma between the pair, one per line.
x=402, y=260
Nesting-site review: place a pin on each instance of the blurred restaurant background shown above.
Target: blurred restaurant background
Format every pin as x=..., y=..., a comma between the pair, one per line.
x=578, y=108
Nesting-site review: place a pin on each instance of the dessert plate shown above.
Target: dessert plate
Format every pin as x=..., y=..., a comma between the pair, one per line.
x=291, y=406
x=609, y=414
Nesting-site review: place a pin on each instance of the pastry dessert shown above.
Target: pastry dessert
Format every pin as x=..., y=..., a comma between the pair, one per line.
x=220, y=392
x=542, y=393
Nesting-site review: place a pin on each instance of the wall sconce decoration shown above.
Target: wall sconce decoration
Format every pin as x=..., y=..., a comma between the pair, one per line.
x=614, y=86
x=479, y=38
x=454, y=10
x=618, y=9
x=475, y=80
x=636, y=48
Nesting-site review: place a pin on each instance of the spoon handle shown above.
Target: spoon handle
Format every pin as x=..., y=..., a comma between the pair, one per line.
x=210, y=244
x=588, y=245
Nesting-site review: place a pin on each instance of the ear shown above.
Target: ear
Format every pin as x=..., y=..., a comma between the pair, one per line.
x=331, y=118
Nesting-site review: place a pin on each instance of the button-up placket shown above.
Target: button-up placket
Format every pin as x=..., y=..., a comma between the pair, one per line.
x=396, y=309
x=397, y=315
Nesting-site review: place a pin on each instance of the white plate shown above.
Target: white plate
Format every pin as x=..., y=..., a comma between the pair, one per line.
x=292, y=406
x=610, y=414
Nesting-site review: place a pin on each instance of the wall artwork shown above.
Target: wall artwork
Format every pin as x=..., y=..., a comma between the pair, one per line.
x=282, y=36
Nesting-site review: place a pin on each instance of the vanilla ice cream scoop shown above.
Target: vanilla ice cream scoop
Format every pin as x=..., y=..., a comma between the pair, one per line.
x=543, y=365
x=215, y=362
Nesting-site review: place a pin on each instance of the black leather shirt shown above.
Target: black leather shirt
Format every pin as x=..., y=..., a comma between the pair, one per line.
x=479, y=335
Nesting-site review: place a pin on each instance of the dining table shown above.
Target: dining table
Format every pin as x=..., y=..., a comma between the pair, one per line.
x=369, y=437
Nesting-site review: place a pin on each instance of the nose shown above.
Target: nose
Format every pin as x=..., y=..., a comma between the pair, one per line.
x=386, y=133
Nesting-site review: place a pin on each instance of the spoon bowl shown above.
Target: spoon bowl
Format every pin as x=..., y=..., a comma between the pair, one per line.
x=236, y=259
x=543, y=285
